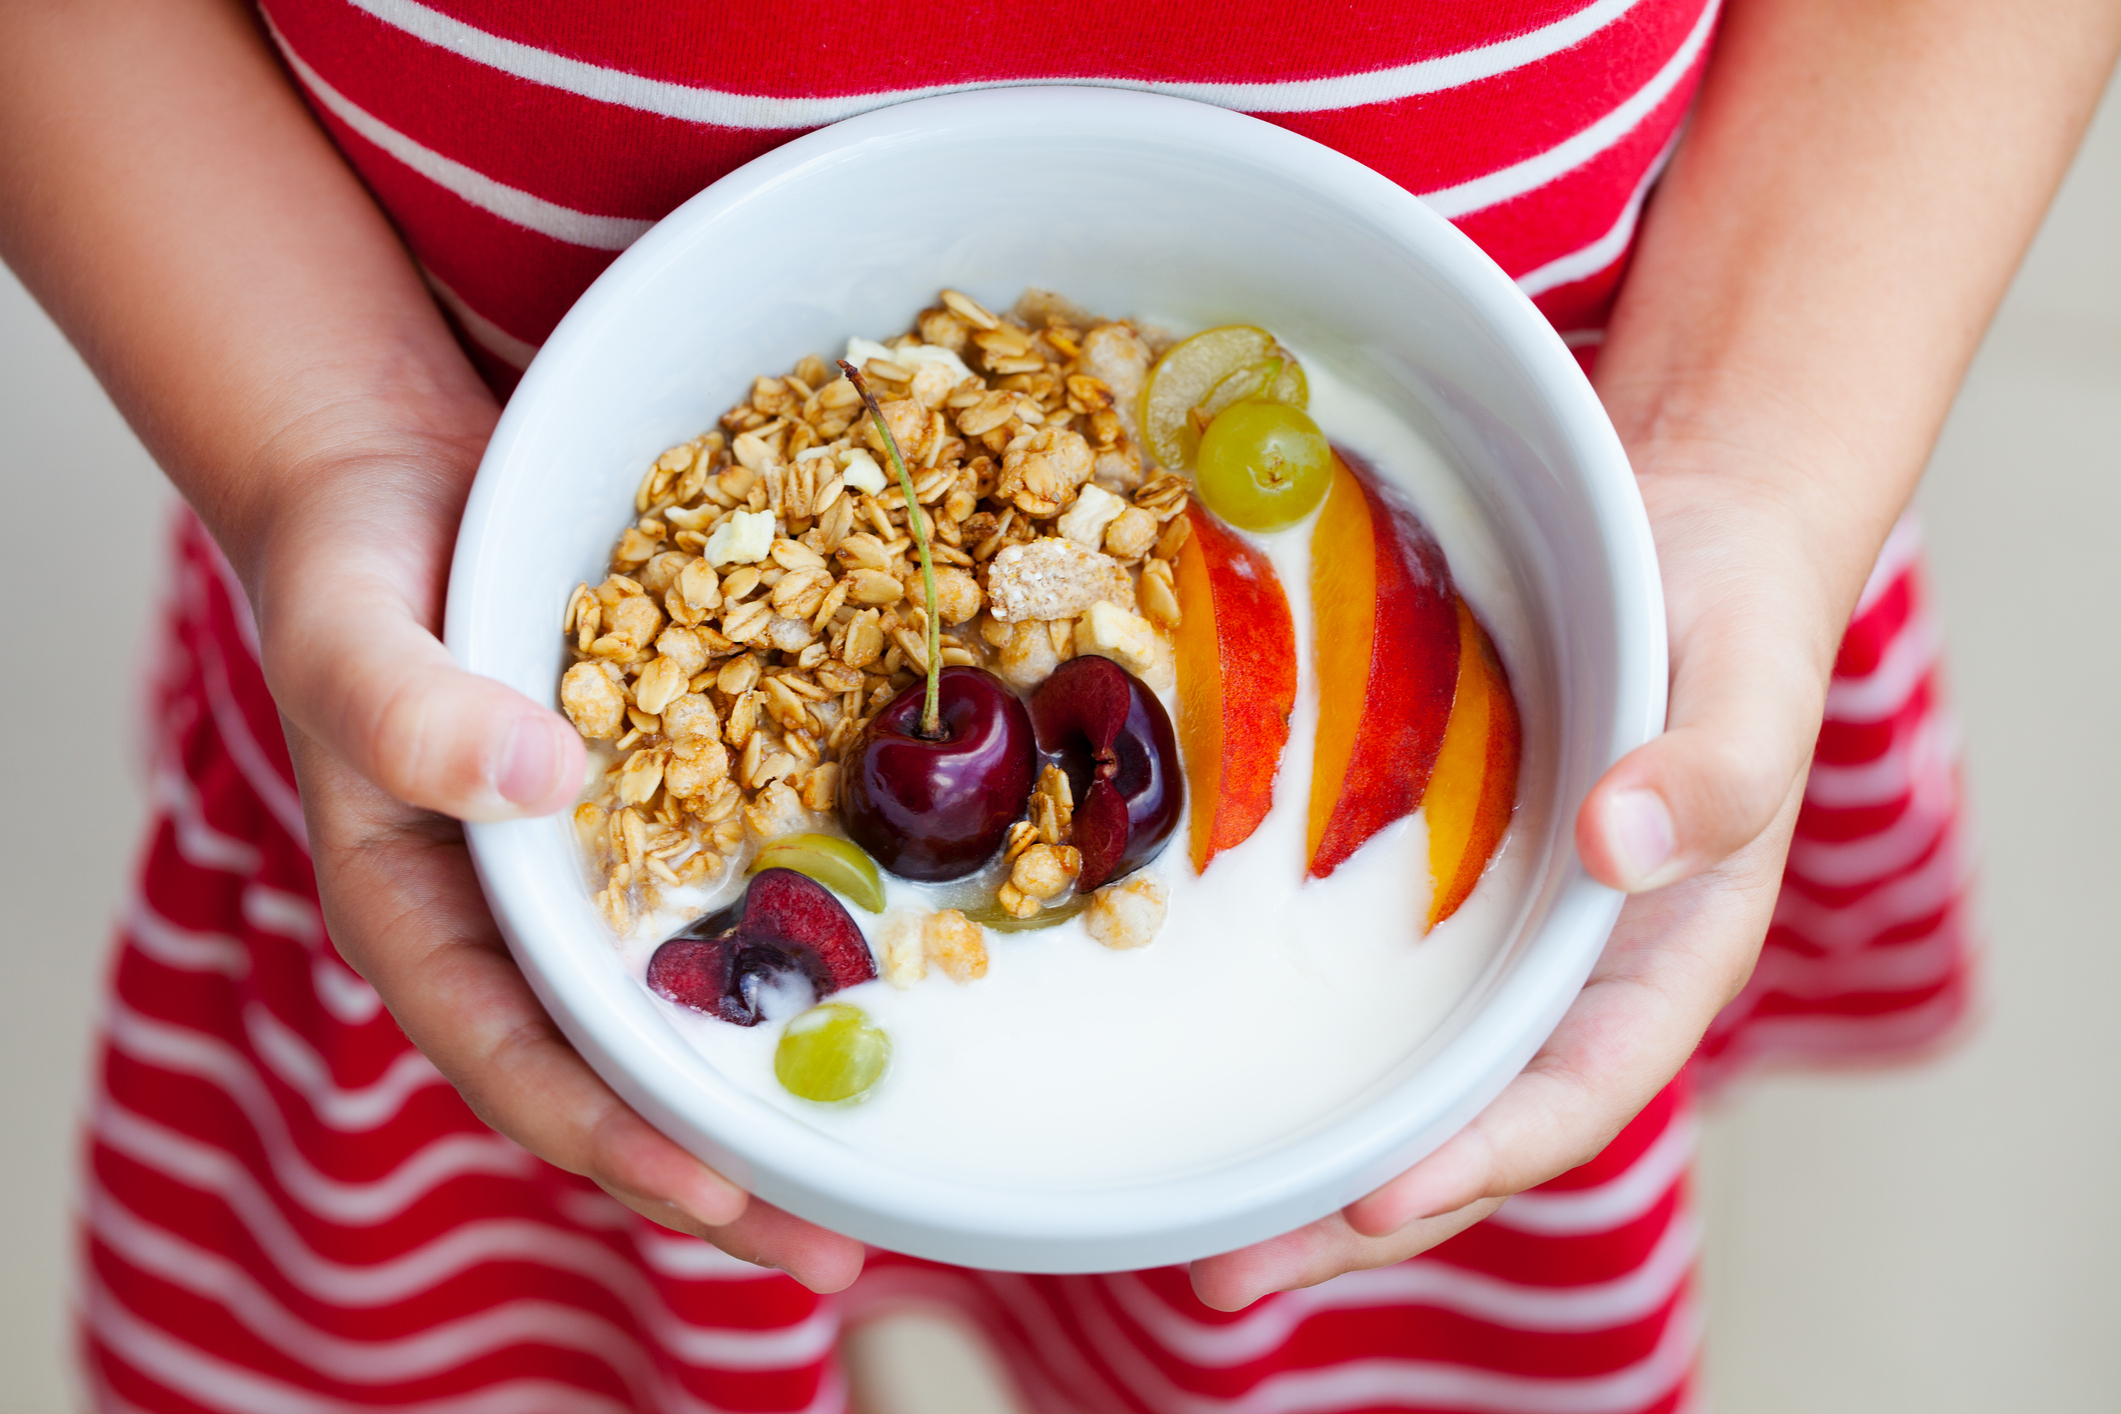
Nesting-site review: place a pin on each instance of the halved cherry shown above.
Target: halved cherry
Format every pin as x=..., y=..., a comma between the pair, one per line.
x=1104, y=727
x=785, y=923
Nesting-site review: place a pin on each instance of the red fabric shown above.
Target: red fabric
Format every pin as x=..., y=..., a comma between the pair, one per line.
x=1501, y=90
x=1870, y=954
x=287, y=1209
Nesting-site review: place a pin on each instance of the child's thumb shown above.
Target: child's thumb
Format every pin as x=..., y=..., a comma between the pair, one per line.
x=1743, y=719
x=382, y=694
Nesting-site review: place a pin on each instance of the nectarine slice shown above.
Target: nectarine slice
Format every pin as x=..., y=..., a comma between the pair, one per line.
x=1236, y=652
x=1387, y=654
x=1474, y=787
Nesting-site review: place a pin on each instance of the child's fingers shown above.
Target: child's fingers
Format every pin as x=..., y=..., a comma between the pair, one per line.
x=1696, y=824
x=764, y=1236
x=351, y=666
x=1675, y=959
x=404, y=909
x=1747, y=693
x=1324, y=1250
x=767, y=1236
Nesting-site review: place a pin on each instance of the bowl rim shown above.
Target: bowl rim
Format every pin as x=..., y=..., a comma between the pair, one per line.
x=1164, y=1218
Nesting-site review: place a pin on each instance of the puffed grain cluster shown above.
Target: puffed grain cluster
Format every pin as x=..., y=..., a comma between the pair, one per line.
x=766, y=601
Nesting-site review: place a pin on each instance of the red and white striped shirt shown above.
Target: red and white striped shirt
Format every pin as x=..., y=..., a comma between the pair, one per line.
x=519, y=147
x=289, y=1212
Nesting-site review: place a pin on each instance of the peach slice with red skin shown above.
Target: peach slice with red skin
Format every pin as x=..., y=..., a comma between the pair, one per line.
x=1387, y=651
x=1474, y=786
x=1236, y=657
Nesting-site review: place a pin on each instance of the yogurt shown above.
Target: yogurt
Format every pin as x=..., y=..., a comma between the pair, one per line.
x=1267, y=1002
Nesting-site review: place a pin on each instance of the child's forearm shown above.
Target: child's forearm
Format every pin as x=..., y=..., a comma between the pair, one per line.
x=1857, y=185
x=1859, y=181
x=174, y=207
x=167, y=197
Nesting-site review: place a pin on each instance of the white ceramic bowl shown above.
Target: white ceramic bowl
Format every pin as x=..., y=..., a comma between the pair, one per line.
x=1127, y=203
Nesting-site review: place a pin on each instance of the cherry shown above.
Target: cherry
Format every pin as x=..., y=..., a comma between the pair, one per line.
x=785, y=923
x=937, y=807
x=940, y=774
x=1109, y=733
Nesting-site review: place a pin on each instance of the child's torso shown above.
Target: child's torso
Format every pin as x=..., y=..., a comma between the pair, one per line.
x=520, y=146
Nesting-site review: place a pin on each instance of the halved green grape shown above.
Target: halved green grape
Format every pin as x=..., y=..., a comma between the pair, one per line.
x=991, y=915
x=1200, y=369
x=831, y=1052
x=838, y=864
x=1262, y=465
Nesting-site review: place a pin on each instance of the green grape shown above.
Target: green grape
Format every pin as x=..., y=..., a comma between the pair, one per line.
x=1262, y=465
x=831, y=1052
x=838, y=864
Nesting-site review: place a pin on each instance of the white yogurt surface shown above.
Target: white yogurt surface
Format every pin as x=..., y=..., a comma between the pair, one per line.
x=1264, y=1004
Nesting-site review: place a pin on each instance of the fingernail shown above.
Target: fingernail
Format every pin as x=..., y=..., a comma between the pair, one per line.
x=528, y=763
x=712, y=1200
x=1641, y=836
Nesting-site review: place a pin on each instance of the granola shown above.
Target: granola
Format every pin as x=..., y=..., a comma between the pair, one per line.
x=1128, y=913
x=766, y=600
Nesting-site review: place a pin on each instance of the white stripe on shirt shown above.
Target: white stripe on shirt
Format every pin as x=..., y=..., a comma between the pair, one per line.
x=723, y=109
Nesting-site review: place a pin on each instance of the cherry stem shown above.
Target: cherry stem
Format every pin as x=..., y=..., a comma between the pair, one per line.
x=932, y=707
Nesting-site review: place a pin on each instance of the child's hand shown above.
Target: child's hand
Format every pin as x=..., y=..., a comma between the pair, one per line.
x=348, y=588
x=1748, y=684
x=264, y=330
x=1856, y=184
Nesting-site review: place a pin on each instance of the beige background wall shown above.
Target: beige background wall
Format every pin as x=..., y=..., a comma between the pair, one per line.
x=1948, y=1237
x=1938, y=1240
